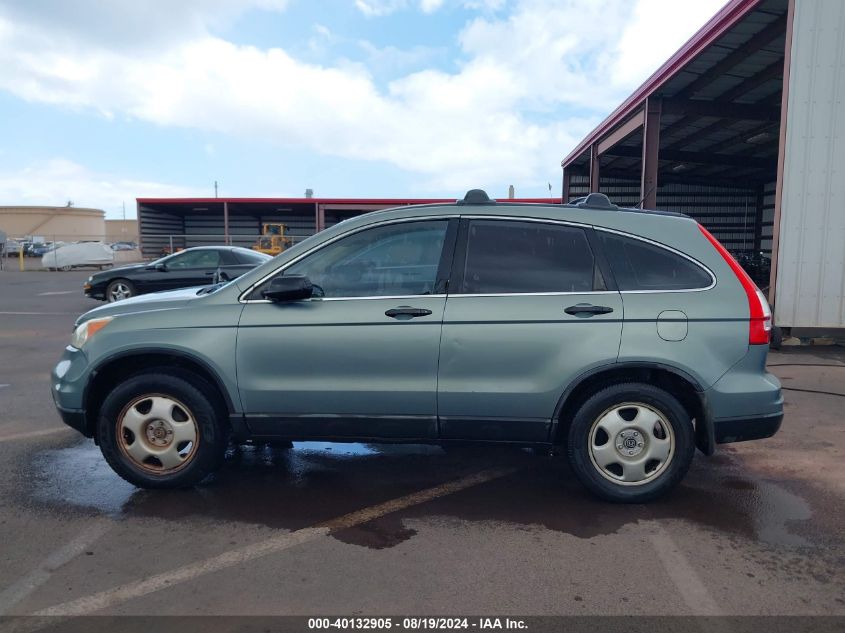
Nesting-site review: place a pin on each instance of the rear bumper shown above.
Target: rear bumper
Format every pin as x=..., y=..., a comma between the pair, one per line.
x=746, y=403
x=747, y=428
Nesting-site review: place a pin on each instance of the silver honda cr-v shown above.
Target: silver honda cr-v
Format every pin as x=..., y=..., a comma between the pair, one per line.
x=628, y=337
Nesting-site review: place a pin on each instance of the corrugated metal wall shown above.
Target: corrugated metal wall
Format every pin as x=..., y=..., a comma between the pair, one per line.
x=159, y=227
x=811, y=259
x=730, y=213
x=156, y=228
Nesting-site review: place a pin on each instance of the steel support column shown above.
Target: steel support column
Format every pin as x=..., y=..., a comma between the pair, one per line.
x=758, y=219
x=594, y=168
x=651, y=145
x=226, y=223
x=564, y=192
x=784, y=102
x=319, y=217
x=140, y=231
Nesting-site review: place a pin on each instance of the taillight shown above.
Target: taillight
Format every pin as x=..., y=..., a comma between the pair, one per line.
x=760, y=323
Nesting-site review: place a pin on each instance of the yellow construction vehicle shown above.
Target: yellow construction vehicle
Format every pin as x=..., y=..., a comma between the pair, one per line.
x=273, y=239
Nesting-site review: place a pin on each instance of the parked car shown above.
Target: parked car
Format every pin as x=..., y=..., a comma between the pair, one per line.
x=191, y=267
x=628, y=337
x=40, y=249
x=124, y=246
x=14, y=247
x=69, y=256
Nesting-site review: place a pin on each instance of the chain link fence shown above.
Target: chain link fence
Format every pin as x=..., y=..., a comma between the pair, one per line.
x=49, y=252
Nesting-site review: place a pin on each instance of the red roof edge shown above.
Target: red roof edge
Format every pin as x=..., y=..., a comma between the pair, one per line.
x=728, y=16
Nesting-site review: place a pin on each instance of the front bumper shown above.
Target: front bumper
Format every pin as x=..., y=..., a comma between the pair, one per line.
x=76, y=420
x=67, y=386
x=94, y=292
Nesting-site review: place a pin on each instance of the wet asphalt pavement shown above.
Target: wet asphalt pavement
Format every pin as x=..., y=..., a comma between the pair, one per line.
x=355, y=529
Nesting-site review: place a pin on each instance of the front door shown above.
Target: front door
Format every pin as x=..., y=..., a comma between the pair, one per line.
x=528, y=311
x=360, y=359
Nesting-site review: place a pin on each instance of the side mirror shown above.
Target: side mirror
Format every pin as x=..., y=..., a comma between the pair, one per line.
x=288, y=288
x=162, y=268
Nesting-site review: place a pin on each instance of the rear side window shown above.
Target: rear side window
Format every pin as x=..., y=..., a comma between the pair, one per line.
x=519, y=257
x=638, y=265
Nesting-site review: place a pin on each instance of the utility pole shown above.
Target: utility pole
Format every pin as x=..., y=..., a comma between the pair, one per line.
x=215, y=188
x=124, y=211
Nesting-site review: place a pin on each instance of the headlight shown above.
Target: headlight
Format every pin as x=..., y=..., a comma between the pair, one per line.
x=86, y=330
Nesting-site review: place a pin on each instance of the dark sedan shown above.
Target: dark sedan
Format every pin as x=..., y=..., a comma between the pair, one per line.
x=198, y=266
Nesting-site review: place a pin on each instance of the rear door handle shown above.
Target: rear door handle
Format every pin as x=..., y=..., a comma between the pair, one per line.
x=407, y=311
x=586, y=308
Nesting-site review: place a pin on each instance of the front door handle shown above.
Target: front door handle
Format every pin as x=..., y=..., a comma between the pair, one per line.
x=588, y=309
x=407, y=311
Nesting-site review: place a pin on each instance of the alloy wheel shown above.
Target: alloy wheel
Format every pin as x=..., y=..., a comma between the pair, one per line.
x=119, y=291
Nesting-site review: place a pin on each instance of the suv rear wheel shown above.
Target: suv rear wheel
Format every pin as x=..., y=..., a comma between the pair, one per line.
x=631, y=443
x=162, y=430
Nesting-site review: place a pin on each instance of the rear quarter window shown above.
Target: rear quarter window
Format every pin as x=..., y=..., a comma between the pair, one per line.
x=639, y=265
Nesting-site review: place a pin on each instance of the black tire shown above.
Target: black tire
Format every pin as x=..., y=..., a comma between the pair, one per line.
x=203, y=406
x=665, y=476
x=115, y=284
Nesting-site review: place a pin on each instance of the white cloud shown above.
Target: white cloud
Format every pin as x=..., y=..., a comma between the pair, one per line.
x=56, y=181
x=503, y=116
x=430, y=6
x=376, y=8
x=656, y=30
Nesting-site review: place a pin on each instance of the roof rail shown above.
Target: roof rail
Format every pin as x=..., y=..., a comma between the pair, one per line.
x=594, y=201
x=476, y=197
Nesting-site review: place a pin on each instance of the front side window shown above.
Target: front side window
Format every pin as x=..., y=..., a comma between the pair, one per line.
x=204, y=258
x=521, y=257
x=393, y=260
x=638, y=265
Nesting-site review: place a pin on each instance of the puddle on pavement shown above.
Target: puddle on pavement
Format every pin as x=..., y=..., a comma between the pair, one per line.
x=317, y=481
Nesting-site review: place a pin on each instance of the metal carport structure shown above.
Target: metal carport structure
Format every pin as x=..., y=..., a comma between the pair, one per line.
x=725, y=133
x=172, y=223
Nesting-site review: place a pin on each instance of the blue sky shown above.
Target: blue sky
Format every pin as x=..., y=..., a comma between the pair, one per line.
x=102, y=101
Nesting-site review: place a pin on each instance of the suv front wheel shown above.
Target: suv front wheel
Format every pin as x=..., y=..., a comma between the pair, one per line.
x=162, y=430
x=631, y=442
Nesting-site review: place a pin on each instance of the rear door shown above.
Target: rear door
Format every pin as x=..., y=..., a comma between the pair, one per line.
x=530, y=308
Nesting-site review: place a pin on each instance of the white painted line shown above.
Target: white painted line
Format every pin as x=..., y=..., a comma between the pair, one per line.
x=16, y=592
x=137, y=589
x=5, y=384
x=29, y=434
x=55, y=292
x=682, y=574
